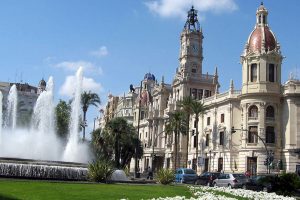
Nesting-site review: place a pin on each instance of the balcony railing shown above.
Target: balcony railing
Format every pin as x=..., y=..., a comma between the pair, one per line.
x=252, y=118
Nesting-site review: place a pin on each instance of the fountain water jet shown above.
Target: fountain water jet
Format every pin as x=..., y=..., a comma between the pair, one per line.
x=74, y=148
x=12, y=102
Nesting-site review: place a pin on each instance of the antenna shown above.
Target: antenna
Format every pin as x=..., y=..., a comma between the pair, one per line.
x=21, y=77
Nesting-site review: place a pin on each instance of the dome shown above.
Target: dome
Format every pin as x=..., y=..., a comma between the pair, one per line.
x=149, y=76
x=256, y=39
x=42, y=83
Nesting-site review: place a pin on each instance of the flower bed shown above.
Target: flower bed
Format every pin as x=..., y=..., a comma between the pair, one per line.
x=221, y=193
x=249, y=194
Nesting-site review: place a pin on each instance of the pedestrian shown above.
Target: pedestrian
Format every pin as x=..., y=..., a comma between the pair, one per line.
x=248, y=174
x=150, y=173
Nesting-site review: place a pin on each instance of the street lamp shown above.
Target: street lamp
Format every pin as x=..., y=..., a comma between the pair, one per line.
x=209, y=160
x=270, y=156
x=155, y=138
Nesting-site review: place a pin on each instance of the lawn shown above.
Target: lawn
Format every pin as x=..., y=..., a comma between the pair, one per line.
x=32, y=190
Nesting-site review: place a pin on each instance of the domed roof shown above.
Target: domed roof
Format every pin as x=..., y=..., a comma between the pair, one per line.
x=42, y=83
x=149, y=76
x=256, y=39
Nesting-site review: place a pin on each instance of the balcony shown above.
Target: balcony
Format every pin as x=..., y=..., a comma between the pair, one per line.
x=270, y=119
x=252, y=118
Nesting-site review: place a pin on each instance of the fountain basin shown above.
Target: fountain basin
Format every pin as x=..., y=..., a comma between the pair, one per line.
x=42, y=169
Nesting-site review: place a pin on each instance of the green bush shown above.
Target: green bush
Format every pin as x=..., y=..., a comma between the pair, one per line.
x=288, y=183
x=165, y=176
x=100, y=170
x=285, y=184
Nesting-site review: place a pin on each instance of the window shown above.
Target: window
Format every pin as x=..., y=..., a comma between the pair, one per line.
x=208, y=120
x=222, y=138
x=206, y=93
x=142, y=115
x=271, y=72
x=207, y=140
x=270, y=135
x=252, y=134
x=222, y=118
x=195, y=141
x=270, y=113
x=253, y=112
x=200, y=94
x=253, y=73
x=194, y=93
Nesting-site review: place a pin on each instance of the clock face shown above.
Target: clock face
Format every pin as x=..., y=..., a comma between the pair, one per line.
x=195, y=48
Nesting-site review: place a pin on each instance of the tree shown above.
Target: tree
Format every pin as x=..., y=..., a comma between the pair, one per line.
x=186, y=105
x=198, y=109
x=176, y=124
x=119, y=139
x=63, y=113
x=87, y=99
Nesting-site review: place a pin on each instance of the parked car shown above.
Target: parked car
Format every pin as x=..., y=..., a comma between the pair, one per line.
x=185, y=175
x=231, y=180
x=259, y=183
x=207, y=178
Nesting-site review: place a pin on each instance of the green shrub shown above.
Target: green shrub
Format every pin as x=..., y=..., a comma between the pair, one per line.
x=288, y=183
x=165, y=176
x=285, y=184
x=100, y=170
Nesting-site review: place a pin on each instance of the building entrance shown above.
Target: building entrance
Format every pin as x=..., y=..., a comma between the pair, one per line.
x=252, y=165
x=220, y=164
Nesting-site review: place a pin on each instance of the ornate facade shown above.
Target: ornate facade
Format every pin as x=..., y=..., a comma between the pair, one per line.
x=265, y=114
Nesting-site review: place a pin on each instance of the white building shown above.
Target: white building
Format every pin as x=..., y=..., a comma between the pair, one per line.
x=265, y=114
x=27, y=96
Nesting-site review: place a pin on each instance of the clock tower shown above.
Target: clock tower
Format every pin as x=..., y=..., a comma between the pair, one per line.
x=191, y=56
x=189, y=80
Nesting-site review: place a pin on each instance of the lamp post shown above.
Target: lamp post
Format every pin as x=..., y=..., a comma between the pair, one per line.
x=155, y=138
x=136, y=173
x=209, y=160
x=269, y=155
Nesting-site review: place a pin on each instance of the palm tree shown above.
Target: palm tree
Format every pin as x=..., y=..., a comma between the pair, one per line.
x=123, y=139
x=176, y=124
x=186, y=104
x=87, y=99
x=198, y=109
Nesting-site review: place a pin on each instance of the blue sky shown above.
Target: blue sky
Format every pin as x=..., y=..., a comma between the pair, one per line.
x=117, y=41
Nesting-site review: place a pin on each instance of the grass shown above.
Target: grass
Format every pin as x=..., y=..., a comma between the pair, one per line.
x=33, y=190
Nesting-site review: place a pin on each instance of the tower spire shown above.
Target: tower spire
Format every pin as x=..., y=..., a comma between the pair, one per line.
x=192, y=22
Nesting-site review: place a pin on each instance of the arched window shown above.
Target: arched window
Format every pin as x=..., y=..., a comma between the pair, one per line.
x=270, y=113
x=253, y=112
x=270, y=134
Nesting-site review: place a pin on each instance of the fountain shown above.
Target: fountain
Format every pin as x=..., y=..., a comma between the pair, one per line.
x=37, y=152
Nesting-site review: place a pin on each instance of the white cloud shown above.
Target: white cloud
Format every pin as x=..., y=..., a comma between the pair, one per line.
x=101, y=52
x=179, y=8
x=89, y=84
x=88, y=67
